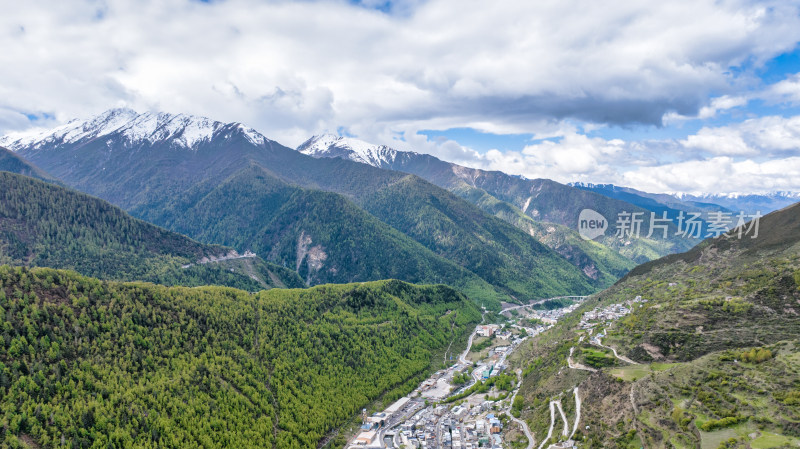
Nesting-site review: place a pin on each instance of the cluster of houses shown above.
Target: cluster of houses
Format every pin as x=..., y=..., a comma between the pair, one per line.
x=490, y=330
x=551, y=317
x=459, y=427
x=608, y=313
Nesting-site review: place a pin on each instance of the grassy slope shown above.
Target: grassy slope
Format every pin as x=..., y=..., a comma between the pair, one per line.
x=728, y=296
x=723, y=293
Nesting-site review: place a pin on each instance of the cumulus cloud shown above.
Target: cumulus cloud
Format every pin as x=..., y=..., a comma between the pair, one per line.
x=296, y=68
x=723, y=103
x=724, y=140
x=763, y=136
x=786, y=91
x=571, y=157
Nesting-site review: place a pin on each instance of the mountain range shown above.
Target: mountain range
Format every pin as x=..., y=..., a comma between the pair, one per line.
x=696, y=344
x=543, y=208
x=674, y=203
x=331, y=220
x=225, y=183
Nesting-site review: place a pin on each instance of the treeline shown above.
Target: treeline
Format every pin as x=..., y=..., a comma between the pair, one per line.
x=87, y=363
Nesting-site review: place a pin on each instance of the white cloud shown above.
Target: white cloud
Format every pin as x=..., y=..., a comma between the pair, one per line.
x=716, y=105
x=572, y=157
x=549, y=68
x=723, y=103
x=719, y=175
x=292, y=69
x=786, y=91
x=763, y=136
x=724, y=140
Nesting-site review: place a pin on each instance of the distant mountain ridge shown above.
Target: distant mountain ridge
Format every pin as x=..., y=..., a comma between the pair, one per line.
x=11, y=162
x=329, y=145
x=753, y=202
x=732, y=202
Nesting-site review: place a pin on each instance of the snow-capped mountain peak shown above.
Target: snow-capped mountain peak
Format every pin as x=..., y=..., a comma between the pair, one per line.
x=72, y=131
x=182, y=130
x=329, y=145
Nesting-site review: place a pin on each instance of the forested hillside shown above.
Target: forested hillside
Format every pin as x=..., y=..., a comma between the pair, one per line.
x=46, y=225
x=85, y=363
x=493, y=249
x=10, y=162
x=323, y=236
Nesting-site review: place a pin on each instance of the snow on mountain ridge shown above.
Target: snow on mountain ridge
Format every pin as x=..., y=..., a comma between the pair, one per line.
x=325, y=145
x=183, y=129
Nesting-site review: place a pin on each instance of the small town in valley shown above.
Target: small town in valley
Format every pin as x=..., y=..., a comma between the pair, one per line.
x=469, y=404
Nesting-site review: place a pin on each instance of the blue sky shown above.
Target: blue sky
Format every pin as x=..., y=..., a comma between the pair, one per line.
x=696, y=96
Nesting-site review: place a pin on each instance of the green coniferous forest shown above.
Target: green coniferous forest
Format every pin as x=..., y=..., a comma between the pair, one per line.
x=43, y=224
x=89, y=363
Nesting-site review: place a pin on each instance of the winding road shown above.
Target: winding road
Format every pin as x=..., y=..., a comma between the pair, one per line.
x=577, y=413
x=563, y=418
x=462, y=358
x=541, y=301
x=552, y=423
x=574, y=365
x=599, y=342
x=522, y=423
